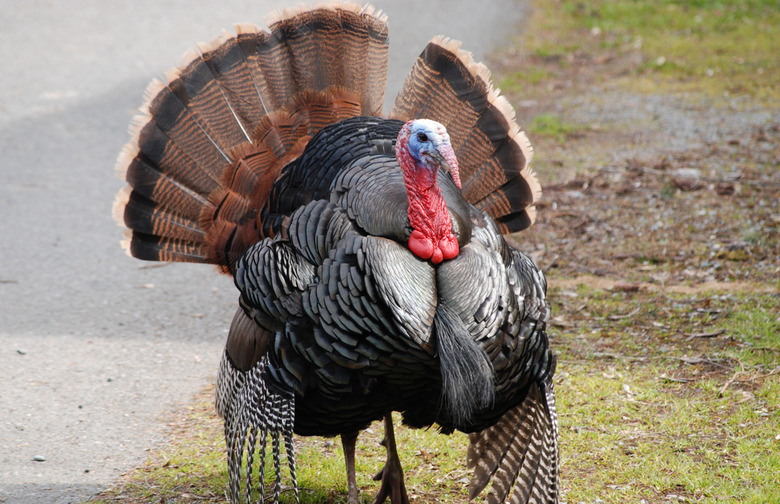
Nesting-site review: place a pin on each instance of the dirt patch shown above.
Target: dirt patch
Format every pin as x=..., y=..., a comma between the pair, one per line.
x=660, y=189
x=612, y=284
x=652, y=214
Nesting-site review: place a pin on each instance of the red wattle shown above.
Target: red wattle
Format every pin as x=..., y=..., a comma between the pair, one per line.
x=420, y=245
x=449, y=247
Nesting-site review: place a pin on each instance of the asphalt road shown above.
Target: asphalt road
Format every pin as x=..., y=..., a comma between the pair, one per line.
x=96, y=348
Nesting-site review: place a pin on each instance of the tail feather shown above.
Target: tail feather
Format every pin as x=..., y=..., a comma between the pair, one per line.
x=300, y=46
x=511, y=206
x=199, y=90
x=170, y=111
x=366, y=39
x=446, y=85
x=167, y=157
x=227, y=62
x=344, y=46
x=157, y=248
x=518, y=456
x=270, y=60
x=210, y=142
x=146, y=217
x=148, y=181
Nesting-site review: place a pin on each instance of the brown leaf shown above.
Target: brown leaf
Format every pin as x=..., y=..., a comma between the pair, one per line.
x=725, y=188
x=626, y=287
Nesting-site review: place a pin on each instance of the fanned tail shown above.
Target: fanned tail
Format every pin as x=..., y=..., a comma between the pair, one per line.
x=211, y=141
x=447, y=85
x=518, y=456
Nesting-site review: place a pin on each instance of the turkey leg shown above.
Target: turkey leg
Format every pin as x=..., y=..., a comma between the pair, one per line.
x=392, y=475
x=348, y=444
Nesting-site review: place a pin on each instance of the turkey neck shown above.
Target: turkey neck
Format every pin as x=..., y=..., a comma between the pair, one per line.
x=431, y=236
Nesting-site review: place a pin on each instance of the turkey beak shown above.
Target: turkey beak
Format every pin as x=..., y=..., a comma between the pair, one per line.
x=446, y=158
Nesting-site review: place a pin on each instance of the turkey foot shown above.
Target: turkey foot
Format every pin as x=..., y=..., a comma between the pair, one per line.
x=392, y=475
x=348, y=444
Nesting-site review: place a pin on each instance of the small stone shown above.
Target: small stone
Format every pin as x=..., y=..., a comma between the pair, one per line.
x=21, y=351
x=39, y=458
x=686, y=179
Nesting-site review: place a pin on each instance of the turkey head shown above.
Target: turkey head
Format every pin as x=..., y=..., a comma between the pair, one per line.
x=423, y=146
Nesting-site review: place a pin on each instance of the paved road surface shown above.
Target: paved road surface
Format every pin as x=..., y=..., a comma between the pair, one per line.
x=95, y=347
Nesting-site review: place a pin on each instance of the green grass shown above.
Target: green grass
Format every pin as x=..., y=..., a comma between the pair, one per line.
x=650, y=407
x=193, y=467
x=551, y=125
x=653, y=410
x=712, y=46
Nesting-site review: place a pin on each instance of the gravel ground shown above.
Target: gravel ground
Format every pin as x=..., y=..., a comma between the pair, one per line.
x=674, y=189
x=664, y=124
x=97, y=349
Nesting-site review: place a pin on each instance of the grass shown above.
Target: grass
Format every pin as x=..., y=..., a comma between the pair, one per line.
x=552, y=125
x=715, y=47
x=193, y=467
x=662, y=398
x=669, y=397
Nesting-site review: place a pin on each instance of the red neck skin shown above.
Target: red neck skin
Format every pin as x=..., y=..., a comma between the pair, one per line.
x=431, y=236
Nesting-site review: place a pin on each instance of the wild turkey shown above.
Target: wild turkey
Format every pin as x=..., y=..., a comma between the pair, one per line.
x=368, y=252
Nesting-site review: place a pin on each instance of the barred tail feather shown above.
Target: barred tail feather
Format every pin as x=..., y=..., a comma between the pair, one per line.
x=447, y=85
x=213, y=138
x=347, y=49
x=518, y=456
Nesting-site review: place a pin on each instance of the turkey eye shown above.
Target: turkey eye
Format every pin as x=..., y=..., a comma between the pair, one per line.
x=422, y=137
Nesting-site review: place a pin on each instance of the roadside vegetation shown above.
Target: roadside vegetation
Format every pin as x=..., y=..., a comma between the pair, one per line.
x=657, y=136
x=715, y=47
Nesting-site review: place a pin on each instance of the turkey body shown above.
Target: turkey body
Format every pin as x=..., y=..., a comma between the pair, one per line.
x=266, y=155
x=360, y=337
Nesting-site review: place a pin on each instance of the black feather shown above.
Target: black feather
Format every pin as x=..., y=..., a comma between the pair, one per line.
x=466, y=371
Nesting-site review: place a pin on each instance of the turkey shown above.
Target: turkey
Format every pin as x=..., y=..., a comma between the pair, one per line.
x=368, y=251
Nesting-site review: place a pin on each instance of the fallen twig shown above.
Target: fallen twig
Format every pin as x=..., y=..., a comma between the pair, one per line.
x=154, y=265
x=731, y=380
x=618, y=356
x=624, y=316
x=742, y=371
x=673, y=379
x=706, y=334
